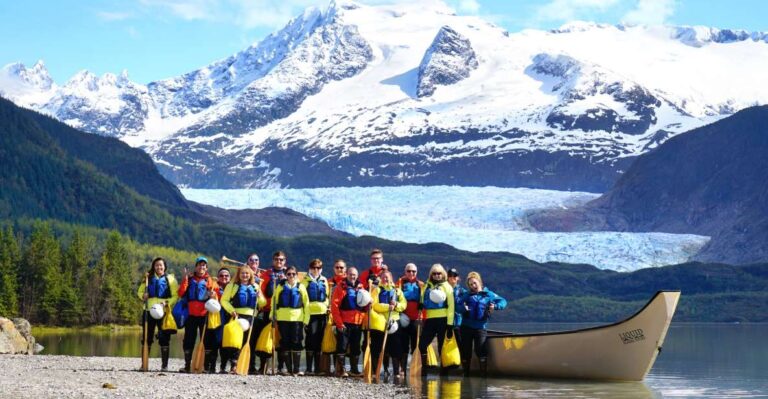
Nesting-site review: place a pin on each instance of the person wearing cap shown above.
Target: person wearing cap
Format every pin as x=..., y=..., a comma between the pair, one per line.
x=197, y=287
x=437, y=300
x=159, y=288
x=348, y=320
x=318, y=292
x=458, y=291
x=270, y=279
x=240, y=300
x=222, y=280
x=411, y=287
x=477, y=304
x=388, y=300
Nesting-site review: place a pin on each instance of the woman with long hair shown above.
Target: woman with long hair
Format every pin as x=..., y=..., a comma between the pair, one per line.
x=160, y=288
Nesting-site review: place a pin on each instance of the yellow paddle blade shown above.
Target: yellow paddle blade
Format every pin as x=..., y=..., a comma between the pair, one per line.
x=367, y=365
x=244, y=360
x=415, y=367
x=198, y=358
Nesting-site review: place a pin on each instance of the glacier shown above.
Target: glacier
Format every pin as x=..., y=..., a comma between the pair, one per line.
x=468, y=218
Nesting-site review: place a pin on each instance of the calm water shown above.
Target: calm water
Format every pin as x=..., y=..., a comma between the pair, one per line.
x=698, y=360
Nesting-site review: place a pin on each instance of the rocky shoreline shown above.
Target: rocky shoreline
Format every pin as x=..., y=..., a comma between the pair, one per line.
x=46, y=376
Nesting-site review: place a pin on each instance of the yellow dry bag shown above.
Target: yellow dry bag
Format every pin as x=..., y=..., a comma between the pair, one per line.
x=329, y=338
x=431, y=357
x=233, y=335
x=214, y=320
x=450, y=355
x=265, y=341
x=169, y=324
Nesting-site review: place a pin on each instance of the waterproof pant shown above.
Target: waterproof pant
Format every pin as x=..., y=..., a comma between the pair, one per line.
x=291, y=335
x=393, y=348
x=163, y=337
x=192, y=328
x=315, y=331
x=349, y=340
x=473, y=337
x=434, y=327
x=408, y=338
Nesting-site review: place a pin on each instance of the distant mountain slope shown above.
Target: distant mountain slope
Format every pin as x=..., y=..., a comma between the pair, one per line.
x=411, y=93
x=711, y=181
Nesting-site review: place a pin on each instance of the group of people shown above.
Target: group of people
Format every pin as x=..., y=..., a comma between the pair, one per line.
x=368, y=305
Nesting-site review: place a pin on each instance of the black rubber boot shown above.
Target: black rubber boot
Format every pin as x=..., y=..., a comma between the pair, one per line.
x=423, y=364
x=164, y=352
x=465, y=365
x=404, y=364
x=209, y=364
x=252, y=363
x=296, y=363
x=396, y=367
x=224, y=361
x=483, y=366
x=281, y=360
x=187, y=361
x=353, y=366
x=385, y=366
x=310, y=360
x=317, y=357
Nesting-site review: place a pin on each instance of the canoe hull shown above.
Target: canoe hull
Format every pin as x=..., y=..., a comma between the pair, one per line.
x=623, y=351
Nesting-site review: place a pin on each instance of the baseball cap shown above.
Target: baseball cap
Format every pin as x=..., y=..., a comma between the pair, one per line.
x=452, y=272
x=201, y=259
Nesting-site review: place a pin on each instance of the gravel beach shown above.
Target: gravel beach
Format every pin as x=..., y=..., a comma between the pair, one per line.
x=41, y=376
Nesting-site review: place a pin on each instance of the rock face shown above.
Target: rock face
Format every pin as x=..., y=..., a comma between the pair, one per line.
x=448, y=60
x=16, y=337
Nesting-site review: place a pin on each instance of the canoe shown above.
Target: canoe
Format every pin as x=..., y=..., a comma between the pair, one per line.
x=623, y=351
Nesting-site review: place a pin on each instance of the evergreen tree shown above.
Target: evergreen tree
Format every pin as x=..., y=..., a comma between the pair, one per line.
x=113, y=275
x=74, y=272
x=9, y=264
x=40, y=276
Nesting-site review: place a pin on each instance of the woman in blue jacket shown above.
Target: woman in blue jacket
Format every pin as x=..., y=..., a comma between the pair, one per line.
x=478, y=304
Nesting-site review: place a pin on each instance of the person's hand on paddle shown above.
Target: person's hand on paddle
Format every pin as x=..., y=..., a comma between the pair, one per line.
x=391, y=305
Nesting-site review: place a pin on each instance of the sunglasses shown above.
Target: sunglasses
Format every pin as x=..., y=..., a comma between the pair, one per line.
x=290, y=274
x=339, y=267
x=437, y=274
x=316, y=267
x=253, y=260
x=279, y=259
x=410, y=271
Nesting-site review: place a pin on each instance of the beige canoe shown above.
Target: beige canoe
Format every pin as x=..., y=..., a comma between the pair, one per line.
x=622, y=351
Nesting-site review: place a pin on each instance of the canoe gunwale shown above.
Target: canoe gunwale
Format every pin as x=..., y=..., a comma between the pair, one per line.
x=504, y=334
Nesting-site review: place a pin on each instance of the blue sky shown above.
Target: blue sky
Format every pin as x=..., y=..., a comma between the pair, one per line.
x=156, y=39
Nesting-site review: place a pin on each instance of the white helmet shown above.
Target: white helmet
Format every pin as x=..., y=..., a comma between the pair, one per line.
x=393, y=326
x=244, y=324
x=404, y=320
x=437, y=296
x=363, y=298
x=212, y=305
x=156, y=311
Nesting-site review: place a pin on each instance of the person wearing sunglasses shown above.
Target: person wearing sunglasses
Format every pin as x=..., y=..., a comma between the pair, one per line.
x=372, y=273
x=388, y=300
x=253, y=263
x=270, y=279
x=291, y=306
x=477, y=305
x=339, y=272
x=348, y=320
x=437, y=300
x=162, y=288
x=318, y=291
x=411, y=287
x=240, y=300
x=222, y=280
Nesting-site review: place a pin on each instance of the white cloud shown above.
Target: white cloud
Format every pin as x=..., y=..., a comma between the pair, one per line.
x=247, y=14
x=469, y=6
x=568, y=10
x=651, y=12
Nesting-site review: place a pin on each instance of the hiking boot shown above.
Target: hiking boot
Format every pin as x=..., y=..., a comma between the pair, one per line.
x=340, y=371
x=311, y=363
x=354, y=371
x=164, y=353
x=296, y=363
x=187, y=361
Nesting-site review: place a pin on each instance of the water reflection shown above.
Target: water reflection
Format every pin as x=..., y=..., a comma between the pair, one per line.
x=121, y=343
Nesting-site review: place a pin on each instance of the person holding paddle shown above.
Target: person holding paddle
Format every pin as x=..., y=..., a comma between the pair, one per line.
x=222, y=280
x=411, y=287
x=270, y=279
x=437, y=300
x=348, y=318
x=291, y=306
x=477, y=306
x=160, y=288
x=242, y=299
x=197, y=287
x=318, y=292
x=388, y=302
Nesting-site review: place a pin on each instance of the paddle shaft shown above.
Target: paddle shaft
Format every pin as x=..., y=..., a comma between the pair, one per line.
x=273, y=310
x=367, y=354
x=416, y=355
x=383, y=345
x=145, y=344
x=244, y=359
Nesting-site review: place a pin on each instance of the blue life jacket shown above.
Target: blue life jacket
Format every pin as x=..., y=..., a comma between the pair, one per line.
x=316, y=291
x=197, y=290
x=274, y=279
x=158, y=287
x=458, y=291
x=411, y=291
x=478, y=306
x=428, y=304
x=350, y=300
x=386, y=296
x=289, y=297
x=245, y=297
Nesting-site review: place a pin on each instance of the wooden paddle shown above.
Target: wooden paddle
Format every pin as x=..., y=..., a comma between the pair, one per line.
x=198, y=356
x=145, y=344
x=383, y=346
x=244, y=360
x=367, y=354
x=273, y=310
x=416, y=355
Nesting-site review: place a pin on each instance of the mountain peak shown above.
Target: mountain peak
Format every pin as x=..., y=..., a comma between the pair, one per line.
x=448, y=60
x=36, y=77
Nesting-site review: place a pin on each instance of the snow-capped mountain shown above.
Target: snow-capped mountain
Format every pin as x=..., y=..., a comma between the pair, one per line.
x=414, y=94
